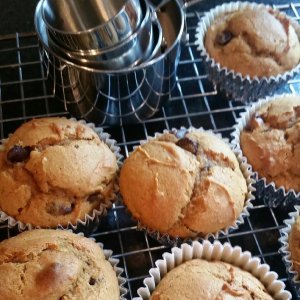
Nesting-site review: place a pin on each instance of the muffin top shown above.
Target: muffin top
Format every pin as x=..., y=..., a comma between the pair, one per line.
x=256, y=42
x=184, y=185
x=271, y=141
x=55, y=264
x=294, y=242
x=201, y=279
x=55, y=170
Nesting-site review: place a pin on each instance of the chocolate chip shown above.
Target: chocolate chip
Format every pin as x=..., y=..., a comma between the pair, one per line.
x=224, y=37
x=286, y=136
x=60, y=209
x=188, y=145
x=95, y=198
x=92, y=281
x=297, y=110
x=18, y=153
x=64, y=210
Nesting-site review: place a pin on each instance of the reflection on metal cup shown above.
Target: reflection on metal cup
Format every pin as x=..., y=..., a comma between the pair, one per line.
x=118, y=96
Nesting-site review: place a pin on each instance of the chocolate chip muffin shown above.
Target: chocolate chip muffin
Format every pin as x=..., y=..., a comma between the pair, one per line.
x=254, y=41
x=206, y=280
x=271, y=141
x=54, y=264
x=55, y=171
x=184, y=184
x=294, y=242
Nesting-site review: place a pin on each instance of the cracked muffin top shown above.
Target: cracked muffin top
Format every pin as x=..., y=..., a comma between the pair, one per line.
x=294, y=242
x=256, y=42
x=200, y=279
x=183, y=184
x=54, y=171
x=271, y=142
x=55, y=265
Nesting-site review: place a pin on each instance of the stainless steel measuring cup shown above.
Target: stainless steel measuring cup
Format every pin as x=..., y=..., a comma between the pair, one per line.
x=119, y=96
x=133, y=50
x=89, y=25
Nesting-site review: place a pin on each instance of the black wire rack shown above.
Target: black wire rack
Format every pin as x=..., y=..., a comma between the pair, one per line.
x=24, y=94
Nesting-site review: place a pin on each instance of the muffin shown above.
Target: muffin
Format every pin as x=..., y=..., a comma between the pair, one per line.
x=290, y=250
x=184, y=184
x=294, y=242
x=255, y=42
x=55, y=264
x=55, y=171
x=200, y=279
x=248, y=49
x=211, y=271
x=271, y=141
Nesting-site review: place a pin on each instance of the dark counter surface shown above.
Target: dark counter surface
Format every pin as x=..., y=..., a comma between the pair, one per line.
x=16, y=16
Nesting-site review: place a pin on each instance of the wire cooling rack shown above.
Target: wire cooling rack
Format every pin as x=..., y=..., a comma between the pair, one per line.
x=24, y=94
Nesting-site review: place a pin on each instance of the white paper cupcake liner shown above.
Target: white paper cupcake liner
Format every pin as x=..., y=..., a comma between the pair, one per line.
x=285, y=251
x=271, y=194
x=166, y=239
x=90, y=221
x=114, y=263
x=241, y=88
x=213, y=252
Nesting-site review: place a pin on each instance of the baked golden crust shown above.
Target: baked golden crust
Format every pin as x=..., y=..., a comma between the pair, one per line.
x=200, y=279
x=184, y=186
x=256, y=42
x=66, y=173
x=271, y=142
x=55, y=264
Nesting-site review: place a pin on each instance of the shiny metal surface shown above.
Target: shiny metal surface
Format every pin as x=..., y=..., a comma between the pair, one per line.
x=158, y=41
x=117, y=96
x=130, y=52
x=89, y=25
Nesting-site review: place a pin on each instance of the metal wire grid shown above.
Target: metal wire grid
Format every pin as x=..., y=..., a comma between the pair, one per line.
x=24, y=94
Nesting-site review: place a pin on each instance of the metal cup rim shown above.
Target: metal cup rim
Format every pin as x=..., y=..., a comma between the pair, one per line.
x=82, y=31
x=38, y=21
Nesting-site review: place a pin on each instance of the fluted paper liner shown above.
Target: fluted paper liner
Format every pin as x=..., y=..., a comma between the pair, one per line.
x=92, y=220
x=285, y=251
x=272, y=195
x=213, y=252
x=240, y=87
x=166, y=239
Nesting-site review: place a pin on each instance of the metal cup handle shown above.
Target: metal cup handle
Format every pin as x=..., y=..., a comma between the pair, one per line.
x=184, y=4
